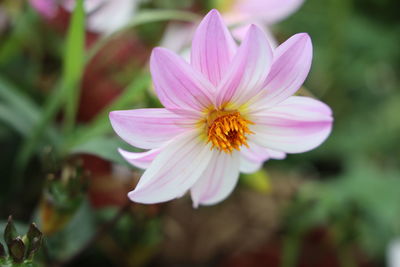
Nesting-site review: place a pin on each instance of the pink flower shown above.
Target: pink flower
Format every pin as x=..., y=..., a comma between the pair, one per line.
x=228, y=111
x=238, y=14
x=263, y=13
x=47, y=8
x=102, y=16
x=266, y=11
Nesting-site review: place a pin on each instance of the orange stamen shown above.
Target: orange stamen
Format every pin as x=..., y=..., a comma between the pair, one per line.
x=227, y=130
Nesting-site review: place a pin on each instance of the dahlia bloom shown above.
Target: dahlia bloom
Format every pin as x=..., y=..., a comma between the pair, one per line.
x=228, y=111
x=102, y=16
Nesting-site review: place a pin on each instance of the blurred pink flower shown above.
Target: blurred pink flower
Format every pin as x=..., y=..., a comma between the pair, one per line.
x=228, y=111
x=238, y=14
x=102, y=16
x=47, y=8
x=265, y=11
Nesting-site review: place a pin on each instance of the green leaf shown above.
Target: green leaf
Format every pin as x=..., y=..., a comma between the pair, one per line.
x=19, y=111
x=13, y=119
x=103, y=147
x=11, y=95
x=147, y=16
x=74, y=61
x=132, y=96
x=66, y=91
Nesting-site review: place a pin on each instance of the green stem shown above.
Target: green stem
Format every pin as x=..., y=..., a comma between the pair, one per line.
x=145, y=16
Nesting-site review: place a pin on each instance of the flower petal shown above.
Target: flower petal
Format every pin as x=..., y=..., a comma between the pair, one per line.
x=212, y=48
x=174, y=171
x=177, y=84
x=249, y=166
x=148, y=128
x=273, y=154
x=253, y=157
x=296, y=125
x=269, y=11
x=140, y=160
x=248, y=70
x=292, y=62
x=218, y=180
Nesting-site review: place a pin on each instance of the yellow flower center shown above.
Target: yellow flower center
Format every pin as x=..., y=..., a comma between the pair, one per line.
x=227, y=130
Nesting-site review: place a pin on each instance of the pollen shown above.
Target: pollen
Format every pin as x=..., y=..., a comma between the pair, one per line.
x=228, y=130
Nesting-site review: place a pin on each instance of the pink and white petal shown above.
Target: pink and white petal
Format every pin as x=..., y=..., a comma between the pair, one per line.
x=149, y=128
x=218, y=180
x=292, y=62
x=140, y=160
x=255, y=152
x=253, y=157
x=176, y=169
x=249, y=166
x=269, y=11
x=47, y=8
x=212, y=48
x=177, y=84
x=248, y=70
x=273, y=154
x=296, y=125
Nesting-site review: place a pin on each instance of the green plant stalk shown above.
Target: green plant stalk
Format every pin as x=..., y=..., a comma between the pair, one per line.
x=100, y=124
x=29, y=145
x=74, y=61
x=146, y=16
x=73, y=67
x=291, y=247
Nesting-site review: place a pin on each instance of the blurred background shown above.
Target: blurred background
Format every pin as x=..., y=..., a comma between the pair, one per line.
x=338, y=205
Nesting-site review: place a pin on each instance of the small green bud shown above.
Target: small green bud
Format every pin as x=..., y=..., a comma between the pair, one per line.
x=10, y=233
x=35, y=237
x=17, y=250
